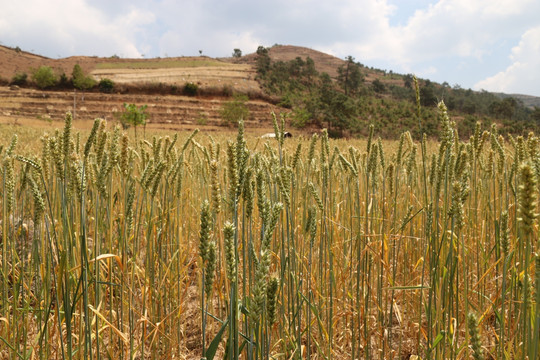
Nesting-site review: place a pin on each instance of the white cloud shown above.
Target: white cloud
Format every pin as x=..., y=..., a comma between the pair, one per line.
x=460, y=29
x=430, y=70
x=463, y=28
x=449, y=40
x=523, y=75
x=70, y=27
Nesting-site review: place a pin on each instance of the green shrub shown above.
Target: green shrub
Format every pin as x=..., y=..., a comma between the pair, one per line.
x=133, y=115
x=80, y=80
x=106, y=86
x=263, y=60
x=400, y=92
x=63, y=81
x=427, y=94
x=191, y=89
x=286, y=101
x=349, y=76
x=336, y=133
x=378, y=86
x=300, y=118
x=19, y=79
x=235, y=110
x=467, y=126
x=44, y=77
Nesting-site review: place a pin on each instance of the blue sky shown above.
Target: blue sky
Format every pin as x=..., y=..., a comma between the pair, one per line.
x=478, y=44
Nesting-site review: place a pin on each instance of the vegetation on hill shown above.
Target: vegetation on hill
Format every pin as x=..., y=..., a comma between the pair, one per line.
x=80, y=80
x=44, y=77
x=348, y=103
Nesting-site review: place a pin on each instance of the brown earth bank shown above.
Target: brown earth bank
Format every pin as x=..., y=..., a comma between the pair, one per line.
x=23, y=106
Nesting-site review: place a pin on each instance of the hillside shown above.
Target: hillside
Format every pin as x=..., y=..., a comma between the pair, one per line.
x=171, y=70
x=380, y=97
x=147, y=81
x=527, y=100
x=156, y=82
x=323, y=62
x=29, y=106
x=13, y=61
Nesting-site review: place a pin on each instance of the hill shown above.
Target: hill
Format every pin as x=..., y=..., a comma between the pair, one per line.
x=323, y=62
x=527, y=100
x=15, y=60
x=282, y=78
x=156, y=82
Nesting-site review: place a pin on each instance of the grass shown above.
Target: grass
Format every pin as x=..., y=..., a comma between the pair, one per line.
x=192, y=246
x=162, y=64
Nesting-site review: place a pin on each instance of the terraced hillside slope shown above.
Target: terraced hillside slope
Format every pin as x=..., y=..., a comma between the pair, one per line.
x=383, y=98
x=165, y=111
x=142, y=81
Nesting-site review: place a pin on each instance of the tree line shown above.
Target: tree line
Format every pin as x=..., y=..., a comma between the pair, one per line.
x=347, y=103
x=45, y=77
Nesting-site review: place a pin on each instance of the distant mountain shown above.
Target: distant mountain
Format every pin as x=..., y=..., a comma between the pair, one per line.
x=527, y=100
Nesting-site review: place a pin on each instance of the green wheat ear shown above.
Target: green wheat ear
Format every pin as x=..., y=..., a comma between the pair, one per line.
x=124, y=149
x=273, y=286
x=230, y=258
x=527, y=198
x=296, y=156
x=233, y=173
x=216, y=191
x=260, y=290
x=210, y=268
x=67, y=135
x=316, y=196
x=476, y=346
x=204, y=235
x=311, y=151
x=39, y=203
x=249, y=192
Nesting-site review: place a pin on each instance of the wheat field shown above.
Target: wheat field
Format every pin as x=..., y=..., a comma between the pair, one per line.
x=193, y=246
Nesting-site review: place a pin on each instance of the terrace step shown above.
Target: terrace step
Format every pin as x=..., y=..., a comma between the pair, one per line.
x=162, y=109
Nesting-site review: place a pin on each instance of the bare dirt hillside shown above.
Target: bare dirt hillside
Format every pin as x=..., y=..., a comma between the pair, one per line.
x=18, y=105
x=13, y=61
